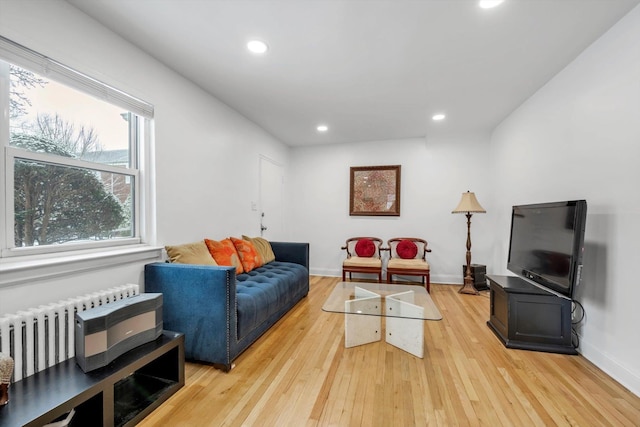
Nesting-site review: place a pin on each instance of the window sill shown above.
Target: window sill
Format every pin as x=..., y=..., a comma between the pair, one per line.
x=15, y=272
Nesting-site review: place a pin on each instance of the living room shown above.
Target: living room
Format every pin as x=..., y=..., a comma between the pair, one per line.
x=574, y=138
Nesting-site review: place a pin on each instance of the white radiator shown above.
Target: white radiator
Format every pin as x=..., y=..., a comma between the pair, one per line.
x=38, y=338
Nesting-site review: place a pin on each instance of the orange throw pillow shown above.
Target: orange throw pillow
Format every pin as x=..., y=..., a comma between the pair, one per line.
x=224, y=252
x=249, y=256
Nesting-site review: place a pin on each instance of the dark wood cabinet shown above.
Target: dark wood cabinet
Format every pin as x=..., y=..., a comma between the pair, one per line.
x=119, y=394
x=527, y=317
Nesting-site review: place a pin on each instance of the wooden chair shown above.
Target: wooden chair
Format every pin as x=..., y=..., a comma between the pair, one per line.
x=363, y=256
x=411, y=261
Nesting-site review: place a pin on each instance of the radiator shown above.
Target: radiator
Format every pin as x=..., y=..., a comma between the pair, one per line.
x=40, y=337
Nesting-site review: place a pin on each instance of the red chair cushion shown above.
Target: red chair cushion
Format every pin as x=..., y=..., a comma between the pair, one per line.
x=406, y=249
x=365, y=248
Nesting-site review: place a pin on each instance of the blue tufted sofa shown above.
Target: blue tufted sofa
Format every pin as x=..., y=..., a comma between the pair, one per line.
x=222, y=314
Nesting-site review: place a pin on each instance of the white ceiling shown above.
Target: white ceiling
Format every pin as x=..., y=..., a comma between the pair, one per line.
x=369, y=69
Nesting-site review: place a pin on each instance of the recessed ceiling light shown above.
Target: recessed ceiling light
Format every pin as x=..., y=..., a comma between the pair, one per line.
x=322, y=128
x=488, y=4
x=438, y=117
x=257, y=46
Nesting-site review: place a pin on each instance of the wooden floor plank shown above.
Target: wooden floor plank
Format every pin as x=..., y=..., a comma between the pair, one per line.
x=299, y=373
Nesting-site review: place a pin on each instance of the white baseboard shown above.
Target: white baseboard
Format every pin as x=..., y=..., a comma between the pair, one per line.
x=325, y=272
x=629, y=379
x=447, y=279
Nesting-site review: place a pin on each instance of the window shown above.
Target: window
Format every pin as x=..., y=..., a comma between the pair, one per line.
x=71, y=148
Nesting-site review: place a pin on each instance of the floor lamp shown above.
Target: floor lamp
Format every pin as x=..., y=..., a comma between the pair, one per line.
x=468, y=205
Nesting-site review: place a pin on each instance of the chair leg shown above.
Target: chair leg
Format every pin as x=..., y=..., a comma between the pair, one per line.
x=428, y=282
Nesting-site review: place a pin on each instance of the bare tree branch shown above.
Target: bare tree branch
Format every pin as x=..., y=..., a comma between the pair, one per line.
x=21, y=79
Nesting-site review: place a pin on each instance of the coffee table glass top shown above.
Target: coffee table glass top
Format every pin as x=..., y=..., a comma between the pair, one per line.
x=379, y=299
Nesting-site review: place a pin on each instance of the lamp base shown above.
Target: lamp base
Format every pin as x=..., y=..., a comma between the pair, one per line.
x=468, y=287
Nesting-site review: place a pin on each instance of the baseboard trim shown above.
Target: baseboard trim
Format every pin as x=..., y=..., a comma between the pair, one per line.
x=630, y=380
x=444, y=279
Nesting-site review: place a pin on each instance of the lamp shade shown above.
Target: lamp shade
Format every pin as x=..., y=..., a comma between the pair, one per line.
x=468, y=203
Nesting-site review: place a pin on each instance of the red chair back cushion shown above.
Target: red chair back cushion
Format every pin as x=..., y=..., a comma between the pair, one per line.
x=406, y=249
x=365, y=248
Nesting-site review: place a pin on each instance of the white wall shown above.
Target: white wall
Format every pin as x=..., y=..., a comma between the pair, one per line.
x=207, y=160
x=579, y=137
x=207, y=155
x=435, y=173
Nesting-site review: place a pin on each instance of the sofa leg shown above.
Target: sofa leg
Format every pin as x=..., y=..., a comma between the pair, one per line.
x=224, y=367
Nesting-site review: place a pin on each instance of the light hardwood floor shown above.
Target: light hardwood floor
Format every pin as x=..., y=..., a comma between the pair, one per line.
x=299, y=373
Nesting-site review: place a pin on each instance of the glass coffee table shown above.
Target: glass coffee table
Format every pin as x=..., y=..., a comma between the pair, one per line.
x=404, y=308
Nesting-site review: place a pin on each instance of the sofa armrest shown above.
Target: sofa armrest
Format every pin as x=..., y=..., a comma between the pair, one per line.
x=199, y=301
x=291, y=252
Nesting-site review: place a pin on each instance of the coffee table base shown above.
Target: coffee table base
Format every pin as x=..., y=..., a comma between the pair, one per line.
x=405, y=334
x=365, y=327
x=363, y=321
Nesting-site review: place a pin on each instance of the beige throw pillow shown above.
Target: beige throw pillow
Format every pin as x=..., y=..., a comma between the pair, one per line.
x=263, y=247
x=190, y=253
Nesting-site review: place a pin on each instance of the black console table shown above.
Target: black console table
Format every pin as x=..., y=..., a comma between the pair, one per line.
x=119, y=394
x=527, y=317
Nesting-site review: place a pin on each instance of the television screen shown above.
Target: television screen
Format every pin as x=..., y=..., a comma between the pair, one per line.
x=546, y=244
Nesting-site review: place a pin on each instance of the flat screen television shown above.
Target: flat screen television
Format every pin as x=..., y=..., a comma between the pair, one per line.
x=547, y=243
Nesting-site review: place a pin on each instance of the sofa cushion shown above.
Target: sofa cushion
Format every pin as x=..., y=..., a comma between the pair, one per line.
x=224, y=252
x=356, y=261
x=408, y=264
x=263, y=247
x=249, y=256
x=190, y=253
x=265, y=290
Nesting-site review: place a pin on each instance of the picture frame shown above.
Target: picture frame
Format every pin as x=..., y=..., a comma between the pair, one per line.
x=374, y=191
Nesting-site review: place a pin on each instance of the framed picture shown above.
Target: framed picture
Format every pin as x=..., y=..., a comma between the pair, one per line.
x=375, y=190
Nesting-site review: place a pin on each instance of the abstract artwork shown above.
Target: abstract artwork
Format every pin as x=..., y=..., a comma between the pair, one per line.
x=375, y=191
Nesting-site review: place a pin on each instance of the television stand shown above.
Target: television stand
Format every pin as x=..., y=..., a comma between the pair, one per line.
x=526, y=317
x=119, y=394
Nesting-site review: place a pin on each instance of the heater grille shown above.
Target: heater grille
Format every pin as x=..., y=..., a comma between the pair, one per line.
x=40, y=337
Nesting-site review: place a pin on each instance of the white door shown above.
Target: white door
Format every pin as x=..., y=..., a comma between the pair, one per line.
x=271, y=199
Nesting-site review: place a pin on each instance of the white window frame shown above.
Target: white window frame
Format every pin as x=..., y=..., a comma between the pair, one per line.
x=139, y=155
x=13, y=154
